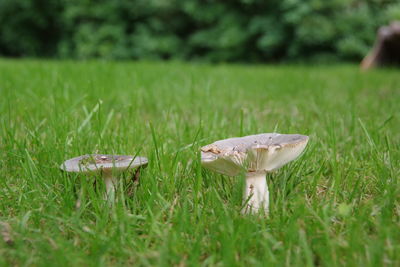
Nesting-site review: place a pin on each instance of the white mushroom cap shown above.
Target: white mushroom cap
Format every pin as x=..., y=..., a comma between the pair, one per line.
x=102, y=163
x=254, y=153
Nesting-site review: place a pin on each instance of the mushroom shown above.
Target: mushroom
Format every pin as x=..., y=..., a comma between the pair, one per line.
x=255, y=155
x=108, y=166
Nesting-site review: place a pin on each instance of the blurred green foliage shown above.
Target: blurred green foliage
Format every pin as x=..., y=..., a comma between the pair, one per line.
x=231, y=30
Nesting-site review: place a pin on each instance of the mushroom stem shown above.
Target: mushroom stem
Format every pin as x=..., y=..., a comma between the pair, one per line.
x=256, y=195
x=110, y=182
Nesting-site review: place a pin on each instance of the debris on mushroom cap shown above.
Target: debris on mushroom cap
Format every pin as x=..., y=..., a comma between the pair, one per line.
x=253, y=153
x=211, y=148
x=94, y=162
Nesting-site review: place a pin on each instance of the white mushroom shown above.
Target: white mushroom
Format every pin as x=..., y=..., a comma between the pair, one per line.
x=255, y=155
x=108, y=166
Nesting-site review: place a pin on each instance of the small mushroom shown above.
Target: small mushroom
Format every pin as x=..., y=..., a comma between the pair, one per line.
x=108, y=166
x=255, y=155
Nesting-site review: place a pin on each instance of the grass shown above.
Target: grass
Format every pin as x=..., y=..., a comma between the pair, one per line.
x=337, y=205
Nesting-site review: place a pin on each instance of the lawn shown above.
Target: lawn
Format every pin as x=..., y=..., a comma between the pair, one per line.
x=338, y=204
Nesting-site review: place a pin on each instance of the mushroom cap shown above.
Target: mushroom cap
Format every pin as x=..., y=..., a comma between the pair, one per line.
x=102, y=162
x=254, y=153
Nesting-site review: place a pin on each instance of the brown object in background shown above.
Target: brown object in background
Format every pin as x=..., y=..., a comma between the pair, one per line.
x=386, y=50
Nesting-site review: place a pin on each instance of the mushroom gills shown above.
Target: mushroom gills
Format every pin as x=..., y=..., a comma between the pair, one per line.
x=273, y=157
